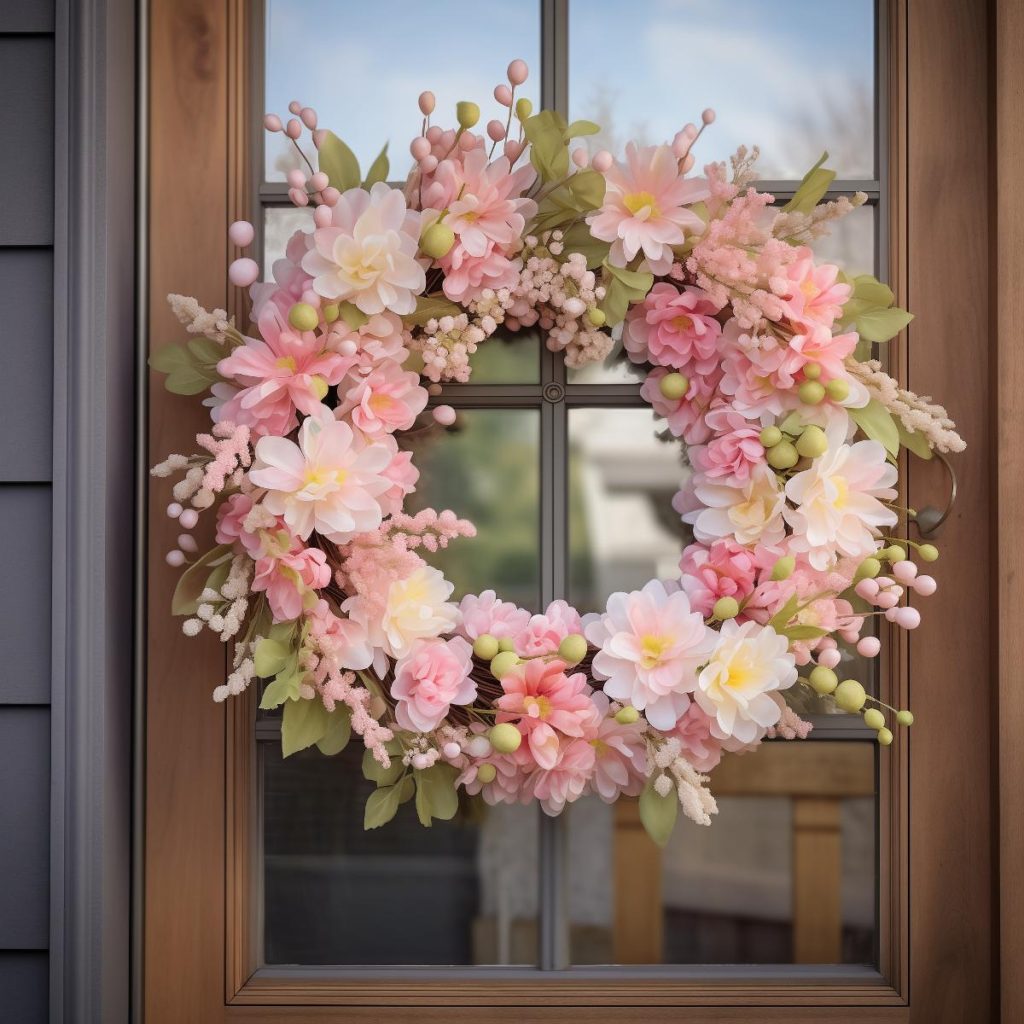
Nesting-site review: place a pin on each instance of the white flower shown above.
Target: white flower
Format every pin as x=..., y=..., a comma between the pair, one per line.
x=651, y=644
x=751, y=511
x=416, y=607
x=838, y=511
x=735, y=687
x=329, y=482
x=368, y=254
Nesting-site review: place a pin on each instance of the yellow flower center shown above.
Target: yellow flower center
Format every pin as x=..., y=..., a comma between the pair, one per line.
x=641, y=204
x=286, y=363
x=739, y=675
x=682, y=324
x=542, y=704
x=652, y=649
x=809, y=288
x=380, y=403
x=842, y=491
x=318, y=477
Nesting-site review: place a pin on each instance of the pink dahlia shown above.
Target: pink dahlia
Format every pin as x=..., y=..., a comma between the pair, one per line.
x=565, y=779
x=817, y=344
x=695, y=731
x=544, y=633
x=722, y=569
x=813, y=293
x=385, y=400
x=645, y=207
x=734, y=450
x=290, y=574
x=429, y=679
x=674, y=328
x=486, y=613
x=685, y=416
x=290, y=280
x=620, y=754
x=341, y=639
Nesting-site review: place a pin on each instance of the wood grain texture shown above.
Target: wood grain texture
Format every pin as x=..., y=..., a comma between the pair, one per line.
x=1008, y=296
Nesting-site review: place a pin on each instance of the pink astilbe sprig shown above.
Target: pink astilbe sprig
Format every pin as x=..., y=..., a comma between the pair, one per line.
x=229, y=446
x=790, y=726
x=429, y=529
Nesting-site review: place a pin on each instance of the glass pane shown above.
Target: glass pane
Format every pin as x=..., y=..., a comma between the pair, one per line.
x=622, y=528
x=463, y=892
x=617, y=368
x=505, y=358
x=377, y=61
x=486, y=468
x=851, y=244
x=279, y=224
x=794, y=77
x=784, y=874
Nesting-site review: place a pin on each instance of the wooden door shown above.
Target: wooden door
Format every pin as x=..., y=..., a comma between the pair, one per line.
x=202, y=946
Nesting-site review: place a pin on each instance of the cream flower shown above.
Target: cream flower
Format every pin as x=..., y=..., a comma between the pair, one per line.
x=330, y=481
x=751, y=511
x=838, y=508
x=368, y=254
x=735, y=687
x=416, y=607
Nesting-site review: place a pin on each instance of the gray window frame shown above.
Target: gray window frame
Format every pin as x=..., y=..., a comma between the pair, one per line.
x=553, y=396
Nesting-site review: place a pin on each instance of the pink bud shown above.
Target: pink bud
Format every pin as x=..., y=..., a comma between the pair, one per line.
x=319, y=181
x=175, y=557
x=518, y=72
x=602, y=161
x=925, y=585
x=866, y=589
x=241, y=233
x=310, y=297
x=887, y=599
x=451, y=750
x=187, y=543
x=295, y=107
x=503, y=94
x=296, y=178
x=829, y=658
x=427, y=103
x=444, y=415
x=907, y=617
x=271, y=122
x=330, y=196
x=308, y=115
x=293, y=129
x=580, y=157
x=904, y=571
x=708, y=116
x=419, y=147
x=243, y=272
x=868, y=646
x=174, y=510
x=428, y=164
x=322, y=216
x=512, y=150
x=318, y=137
x=348, y=347
x=434, y=133
x=495, y=131
x=298, y=197
x=188, y=518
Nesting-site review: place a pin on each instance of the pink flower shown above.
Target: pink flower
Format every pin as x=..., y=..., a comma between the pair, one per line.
x=544, y=702
x=819, y=345
x=543, y=633
x=644, y=207
x=429, y=679
x=651, y=644
x=734, y=451
x=813, y=294
x=673, y=328
x=287, y=372
x=487, y=614
x=401, y=474
x=700, y=746
x=723, y=569
x=382, y=339
x=505, y=788
x=231, y=516
x=343, y=640
x=290, y=280
x=467, y=276
x=685, y=416
x=620, y=754
x=385, y=400
x=290, y=573
x=564, y=779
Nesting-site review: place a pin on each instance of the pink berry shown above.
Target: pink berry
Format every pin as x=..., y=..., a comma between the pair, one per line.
x=427, y=103
x=295, y=107
x=866, y=589
x=907, y=617
x=175, y=557
x=495, y=131
x=322, y=216
x=904, y=571
x=293, y=129
x=518, y=72
x=348, y=347
x=308, y=115
x=187, y=542
x=868, y=646
x=444, y=415
x=241, y=233
x=419, y=147
x=925, y=585
x=513, y=149
x=891, y=613
x=296, y=178
x=428, y=164
x=829, y=658
x=451, y=750
x=330, y=195
x=849, y=636
x=272, y=122
x=503, y=94
x=188, y=518
x=887, y=599
x=243, y=272
x=434, y=133
x=708, y=116
x=298, y=197
x=319, y=181
x=174, y=510
x=681, y=145
x=467, y=141
x=602, y=161
x=318, y=137
x=580, y=157
x=687, y=164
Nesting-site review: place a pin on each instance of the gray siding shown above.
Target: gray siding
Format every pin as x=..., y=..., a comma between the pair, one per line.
x=26, y=382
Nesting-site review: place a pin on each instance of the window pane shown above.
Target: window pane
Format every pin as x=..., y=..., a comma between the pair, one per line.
x=279, y=224
x=506, y=358
x=792, y=859
x=616, y=368
x=463, y=892
x=376, y=61
x=794, y=77
x=851, y=243
x=486, y=468
x=622, y=528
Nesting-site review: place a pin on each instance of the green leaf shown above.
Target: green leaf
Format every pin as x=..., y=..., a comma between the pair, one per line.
x=378, y=169
x=353, y=316
x=193, y=580
x=381, y=806
x=169, y=358
x=339, y=163
x=579, y=239
x=658, y=813
x=913, y=442
x=303, y=723
x=882, y=324
x=876, y=423
x=435, y=794
x=580, y=128
x=271, y=657
x=803, y=632
x=191, y=367
x=813, y=186
x=587, y=188
x=206, y=351
x=284, y=687
x=376, y=772
x=430, y=307
x=784, y=614
x=623, y=287
x=339, y=732
x=406, y=789
x=549, y=152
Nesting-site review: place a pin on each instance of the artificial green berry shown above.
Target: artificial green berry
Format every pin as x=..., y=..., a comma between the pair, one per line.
x=812, y=371
x=505, y=738
x=783, y=456
x=812, y=442
x=770, y=436
x=850, y=695
x=884, y=736
x=726, y=608
x=596, y=316
x=331, y=312
x=928, y=552
x=811, y=392
x=503, y=663
x=485, y=647
x=874, y=719
x=506, y=643
x=674, y=386
x=486, y=772
x=783, y=568
x=573, y=649
x=823, y=680
x=466, y=113
x=303, y=317
x=905, y=718
x=838, y=390
x=867, y=570
x=524, y=108
x=437, y=240
x=894, y=553
x=627, y=715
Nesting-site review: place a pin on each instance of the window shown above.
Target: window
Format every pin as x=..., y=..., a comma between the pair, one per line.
x=569, y=485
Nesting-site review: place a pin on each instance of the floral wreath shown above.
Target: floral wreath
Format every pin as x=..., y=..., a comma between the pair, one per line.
x=753, y=352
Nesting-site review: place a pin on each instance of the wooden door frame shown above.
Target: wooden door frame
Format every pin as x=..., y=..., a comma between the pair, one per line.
x=197, y=184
